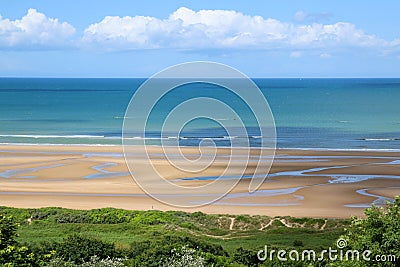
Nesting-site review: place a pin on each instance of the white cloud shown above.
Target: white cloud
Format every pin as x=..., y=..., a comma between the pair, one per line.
x=332, y=35
x=213, y=29
x=34, y=31
x=186, y=29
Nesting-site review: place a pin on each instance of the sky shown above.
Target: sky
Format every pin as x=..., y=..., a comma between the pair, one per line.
x=261, y=38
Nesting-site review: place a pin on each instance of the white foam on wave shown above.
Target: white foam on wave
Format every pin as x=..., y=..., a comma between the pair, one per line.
x=51, y=136
x=141, y=138
x=380, y=139
x=50, y=144
x=341, y=149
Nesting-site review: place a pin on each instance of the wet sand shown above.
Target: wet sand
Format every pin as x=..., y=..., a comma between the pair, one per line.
x=302, y=183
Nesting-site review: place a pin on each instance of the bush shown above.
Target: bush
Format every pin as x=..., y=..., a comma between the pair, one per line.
x=18, y=215
x=246, y=257
x=153, y=217
x=379, y=232
x=184, y=257
x=93, y=262
x=110, y=216
x=243, y=218
x=8, y=231
x=11, y=253
x=297, y=243
x=149, y=253
x=187, y=225
x=71, y=217
x=79, y=249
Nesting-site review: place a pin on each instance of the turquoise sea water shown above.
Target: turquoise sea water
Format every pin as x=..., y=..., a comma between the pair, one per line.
x=309, y=113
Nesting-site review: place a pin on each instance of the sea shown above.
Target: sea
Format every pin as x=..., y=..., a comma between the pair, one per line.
x=344, y=114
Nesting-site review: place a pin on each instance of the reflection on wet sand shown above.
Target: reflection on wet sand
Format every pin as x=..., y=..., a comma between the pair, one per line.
x=308, y=183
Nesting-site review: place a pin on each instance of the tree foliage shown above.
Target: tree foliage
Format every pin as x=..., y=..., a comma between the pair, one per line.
x=379, y=232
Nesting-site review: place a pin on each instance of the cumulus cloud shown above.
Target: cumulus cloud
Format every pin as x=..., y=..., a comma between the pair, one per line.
x=208, y=29
x=186, y=29
x=34, y=31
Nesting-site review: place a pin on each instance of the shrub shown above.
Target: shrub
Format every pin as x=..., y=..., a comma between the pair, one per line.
x=379, y=232
x=8, y=231
x=19, y=215
x=187, y=225
x=297, y=243
x=153, y=217
x=243, y=218
x=71, y=217
x=11, y=253
x=93, y=262
x=110, y=216
x=79, y=249
x=246, y=257
x=184, y=257
x=149, y=253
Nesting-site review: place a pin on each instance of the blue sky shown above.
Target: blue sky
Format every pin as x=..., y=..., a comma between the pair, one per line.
x=260, y=38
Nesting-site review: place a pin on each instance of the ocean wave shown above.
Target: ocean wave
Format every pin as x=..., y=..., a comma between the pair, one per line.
x=155, y=138
x=117, y=137
x=225, y=137
x=51, y=136
x=278, y=148
x=179, y=138
x=380, y=139
x=51, y=144
x=123, y=117
x=340, y=149
x=141, y=138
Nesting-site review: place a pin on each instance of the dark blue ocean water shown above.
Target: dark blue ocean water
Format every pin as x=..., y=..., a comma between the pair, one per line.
x=309, y=113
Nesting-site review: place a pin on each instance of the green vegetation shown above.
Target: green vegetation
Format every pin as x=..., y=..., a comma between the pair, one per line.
x=379, y=233
x=12, y=253
x=114, y=237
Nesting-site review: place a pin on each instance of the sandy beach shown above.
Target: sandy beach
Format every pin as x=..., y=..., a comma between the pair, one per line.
x=302, y=183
